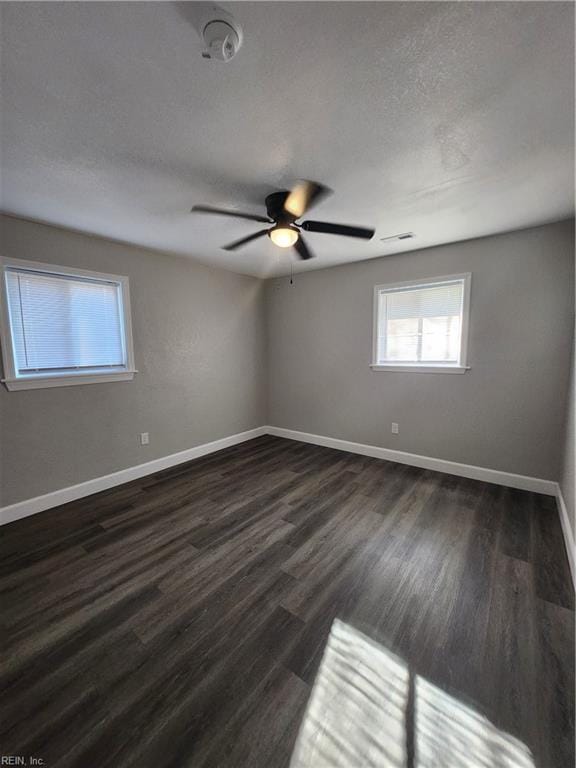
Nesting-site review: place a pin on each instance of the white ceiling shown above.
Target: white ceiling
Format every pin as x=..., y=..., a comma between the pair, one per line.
x=452, y=120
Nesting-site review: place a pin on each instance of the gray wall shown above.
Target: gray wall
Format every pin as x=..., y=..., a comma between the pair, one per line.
x=506, y=413
x=199, y=348
x=567, y=479
x=209, y=352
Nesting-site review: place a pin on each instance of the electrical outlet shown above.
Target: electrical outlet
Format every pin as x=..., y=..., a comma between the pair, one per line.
x=144, y=438
x=395, y=429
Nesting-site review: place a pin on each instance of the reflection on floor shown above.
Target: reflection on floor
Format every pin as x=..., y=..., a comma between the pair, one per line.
x=368, y=709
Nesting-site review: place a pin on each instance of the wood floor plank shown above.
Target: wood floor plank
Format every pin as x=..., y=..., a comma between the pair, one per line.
x=555, y=696
x=551, y=568
x=263, y=731
x=516, y=527
x=184, y=619
x=509, y=694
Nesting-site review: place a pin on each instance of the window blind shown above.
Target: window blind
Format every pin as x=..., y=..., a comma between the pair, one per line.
x=421, y=323
x=64, y=323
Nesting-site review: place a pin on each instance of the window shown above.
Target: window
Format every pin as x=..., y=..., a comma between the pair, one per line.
x=422, y=326
x=63, y=326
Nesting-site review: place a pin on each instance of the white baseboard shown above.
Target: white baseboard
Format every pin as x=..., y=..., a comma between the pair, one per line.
x=71, y=493
x=567, y=531
x=47, y=501
x=523, y=482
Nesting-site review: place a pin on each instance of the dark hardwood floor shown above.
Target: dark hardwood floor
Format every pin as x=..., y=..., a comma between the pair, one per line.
x=283, y=604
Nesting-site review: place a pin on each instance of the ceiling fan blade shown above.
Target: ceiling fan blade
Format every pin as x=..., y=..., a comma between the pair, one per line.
x=303, y=196
x=302, y=249
x=245, y=240
x=225, y=212
x=337, y=229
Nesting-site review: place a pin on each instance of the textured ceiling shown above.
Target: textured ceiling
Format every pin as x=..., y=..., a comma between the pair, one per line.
x=451, y=120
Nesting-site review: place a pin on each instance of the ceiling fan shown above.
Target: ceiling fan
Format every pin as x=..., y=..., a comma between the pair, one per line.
x=283, y=209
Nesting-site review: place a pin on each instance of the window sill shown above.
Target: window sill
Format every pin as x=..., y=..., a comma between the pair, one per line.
x=43, y=382
x=406, y=368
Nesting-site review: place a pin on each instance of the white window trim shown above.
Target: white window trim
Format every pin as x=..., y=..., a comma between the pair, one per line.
x=462, y=365
x=42, y=381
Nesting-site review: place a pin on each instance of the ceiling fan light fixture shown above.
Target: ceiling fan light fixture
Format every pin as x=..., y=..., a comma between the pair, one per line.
x=284, y=237
x=283, y=209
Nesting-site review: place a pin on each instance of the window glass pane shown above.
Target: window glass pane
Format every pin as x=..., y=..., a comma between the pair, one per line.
x=402, y=339
x=62, y=322
x=440, y=339
x=421, y=324
x=15, y=317
x=403, y=348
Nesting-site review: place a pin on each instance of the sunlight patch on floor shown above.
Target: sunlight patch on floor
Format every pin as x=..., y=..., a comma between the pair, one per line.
x=366, y=710
x=451, y=735
x=356, y=710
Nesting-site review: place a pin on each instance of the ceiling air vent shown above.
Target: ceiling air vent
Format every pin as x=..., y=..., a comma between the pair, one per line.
x=402, y=236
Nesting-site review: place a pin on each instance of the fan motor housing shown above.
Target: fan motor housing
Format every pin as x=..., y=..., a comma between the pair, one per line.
x=275, y=207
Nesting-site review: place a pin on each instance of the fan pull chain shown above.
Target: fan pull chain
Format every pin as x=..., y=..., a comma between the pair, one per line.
x=291, y=274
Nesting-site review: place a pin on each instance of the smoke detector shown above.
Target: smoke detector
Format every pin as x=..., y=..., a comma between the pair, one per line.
x=221, y=34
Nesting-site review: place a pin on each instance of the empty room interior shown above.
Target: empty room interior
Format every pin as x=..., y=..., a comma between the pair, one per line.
x=287, y=385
